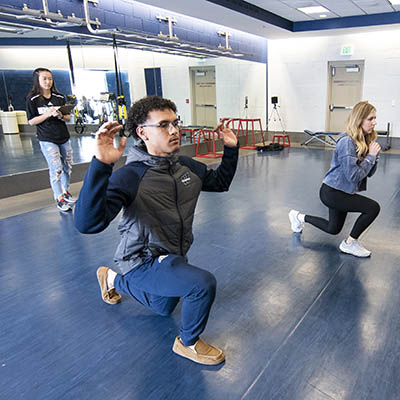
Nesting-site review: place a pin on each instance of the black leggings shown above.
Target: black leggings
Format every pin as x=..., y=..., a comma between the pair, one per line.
x=339, y=204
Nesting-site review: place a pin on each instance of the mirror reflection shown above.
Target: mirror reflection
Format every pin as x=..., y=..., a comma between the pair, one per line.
x=203, y=89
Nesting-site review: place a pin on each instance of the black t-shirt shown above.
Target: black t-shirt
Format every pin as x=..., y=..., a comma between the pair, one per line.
x=52, y=129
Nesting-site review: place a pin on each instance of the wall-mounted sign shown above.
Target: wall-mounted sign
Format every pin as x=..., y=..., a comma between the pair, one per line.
x=346, y=50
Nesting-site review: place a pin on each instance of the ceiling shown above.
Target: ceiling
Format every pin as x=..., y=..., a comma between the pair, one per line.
x=337, y=8
x=271, y=19
x=275, y=19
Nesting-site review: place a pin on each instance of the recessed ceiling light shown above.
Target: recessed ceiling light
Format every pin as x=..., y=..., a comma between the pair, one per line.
x=323, y=16
x=313, y=10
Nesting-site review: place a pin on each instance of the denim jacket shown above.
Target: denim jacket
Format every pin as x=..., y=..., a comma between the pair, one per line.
x=347, y=173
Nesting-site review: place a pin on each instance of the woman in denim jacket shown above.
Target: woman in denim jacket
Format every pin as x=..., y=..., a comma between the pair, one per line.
x=355, y=158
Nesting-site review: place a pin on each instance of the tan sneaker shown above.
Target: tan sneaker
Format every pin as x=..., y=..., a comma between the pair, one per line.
x=109, y=296
x=203, y=353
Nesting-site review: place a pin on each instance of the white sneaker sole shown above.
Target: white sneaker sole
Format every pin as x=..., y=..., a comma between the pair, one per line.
x=65, y=210
x=355, y=255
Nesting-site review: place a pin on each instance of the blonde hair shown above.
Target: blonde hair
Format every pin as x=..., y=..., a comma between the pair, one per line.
x=356, y=118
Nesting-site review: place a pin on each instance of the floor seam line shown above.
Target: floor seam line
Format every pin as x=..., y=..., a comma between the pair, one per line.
x=322, y=291
x=321, y=391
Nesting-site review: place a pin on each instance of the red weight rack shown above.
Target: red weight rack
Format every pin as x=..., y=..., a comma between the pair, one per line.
x=208, y=135
x=285, y=139
x=241, y=126
x=191, y=131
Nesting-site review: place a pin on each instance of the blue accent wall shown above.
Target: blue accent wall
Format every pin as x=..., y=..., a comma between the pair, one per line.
x=112, y=85
x=140, y=17
x=18, y=83
x=348, y=22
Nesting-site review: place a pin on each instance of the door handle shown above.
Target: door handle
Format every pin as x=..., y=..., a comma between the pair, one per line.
x=333, y=107
x=206, y=105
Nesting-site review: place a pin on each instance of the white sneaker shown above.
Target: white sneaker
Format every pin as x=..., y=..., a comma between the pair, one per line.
x=69, y=198
x=63, y=206
x=355, y=248
x=296, y=224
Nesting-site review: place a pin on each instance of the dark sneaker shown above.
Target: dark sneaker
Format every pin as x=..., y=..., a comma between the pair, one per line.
x=69, y=198
x=110, y=296
x=63, y=206
x=203, y=353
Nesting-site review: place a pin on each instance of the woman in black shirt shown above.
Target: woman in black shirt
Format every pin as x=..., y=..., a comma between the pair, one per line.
x=43, y=103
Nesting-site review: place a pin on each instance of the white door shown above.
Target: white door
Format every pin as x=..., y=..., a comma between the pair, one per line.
x=344, y=91
x=204, y=96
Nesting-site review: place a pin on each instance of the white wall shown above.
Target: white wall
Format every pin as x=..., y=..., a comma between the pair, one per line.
x=298, y=75
x=235, y=78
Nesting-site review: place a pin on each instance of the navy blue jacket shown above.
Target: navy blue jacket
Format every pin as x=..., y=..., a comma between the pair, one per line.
x=158, y=196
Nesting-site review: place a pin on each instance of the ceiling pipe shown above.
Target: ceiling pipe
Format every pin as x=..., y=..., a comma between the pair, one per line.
x=45, y=7
x=41, y=17
x=97, y=22
x=57, y=20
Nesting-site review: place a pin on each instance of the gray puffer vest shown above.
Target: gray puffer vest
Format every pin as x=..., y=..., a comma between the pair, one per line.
x=159, y=219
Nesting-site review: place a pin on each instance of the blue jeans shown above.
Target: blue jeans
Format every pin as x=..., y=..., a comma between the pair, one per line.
x=59, y=161
x=160, y=283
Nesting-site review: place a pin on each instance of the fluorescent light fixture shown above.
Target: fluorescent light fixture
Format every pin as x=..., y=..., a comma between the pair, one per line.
x=313, y=10
x=323, y=16
x=394, y=2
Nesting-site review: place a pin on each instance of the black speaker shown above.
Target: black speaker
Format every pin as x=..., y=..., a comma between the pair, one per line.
x=274, y=99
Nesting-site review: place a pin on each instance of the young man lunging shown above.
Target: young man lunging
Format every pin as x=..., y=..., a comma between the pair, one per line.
x=158, y=191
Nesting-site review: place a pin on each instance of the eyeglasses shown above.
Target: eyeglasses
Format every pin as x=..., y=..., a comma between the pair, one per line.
x=164, y=125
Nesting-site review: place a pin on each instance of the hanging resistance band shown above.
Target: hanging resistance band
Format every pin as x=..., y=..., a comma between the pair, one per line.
x=10, y=106
x=121, y=104
x=71, y=98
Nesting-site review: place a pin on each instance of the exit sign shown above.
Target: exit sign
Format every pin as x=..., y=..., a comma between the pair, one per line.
x=346, y=50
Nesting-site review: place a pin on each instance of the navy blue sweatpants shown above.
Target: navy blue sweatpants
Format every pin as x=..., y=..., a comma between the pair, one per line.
x=160, y=283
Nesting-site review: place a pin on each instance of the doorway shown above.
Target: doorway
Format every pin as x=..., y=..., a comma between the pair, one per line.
x=345, y=80
x=204, y=96
x=153, y=81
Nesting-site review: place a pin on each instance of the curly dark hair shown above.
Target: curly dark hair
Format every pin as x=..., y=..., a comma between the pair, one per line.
x=139, y=111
